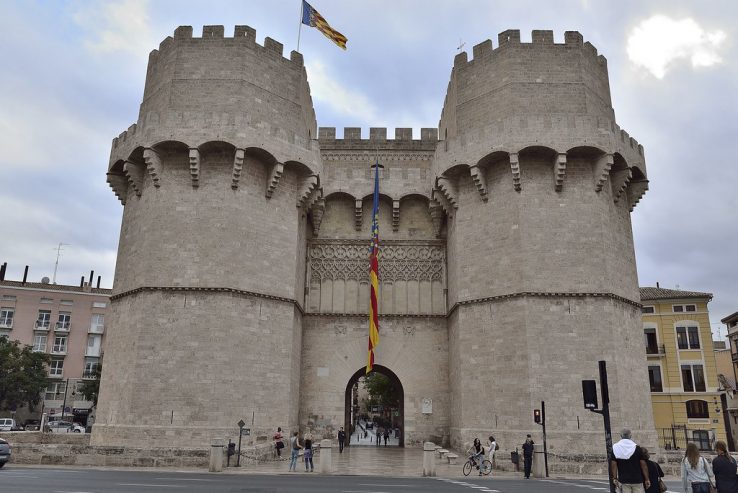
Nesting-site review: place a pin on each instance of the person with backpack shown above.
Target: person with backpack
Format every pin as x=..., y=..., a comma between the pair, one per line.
x=696, y=471
x=295, y=448
x=724, y=467
x=476, y=453
x=654, y=473
x=492, y=448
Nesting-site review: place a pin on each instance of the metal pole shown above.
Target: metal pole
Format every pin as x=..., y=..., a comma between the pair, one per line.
x=606, y=417
x=64, y=404
x=238, y=460
x=543, y=423
x=299, y=29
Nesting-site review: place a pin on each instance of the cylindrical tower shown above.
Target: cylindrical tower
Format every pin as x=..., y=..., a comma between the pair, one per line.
x=538, y=183
x=216, y=178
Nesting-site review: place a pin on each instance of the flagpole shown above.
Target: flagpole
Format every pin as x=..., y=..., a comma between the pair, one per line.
x=299, y=29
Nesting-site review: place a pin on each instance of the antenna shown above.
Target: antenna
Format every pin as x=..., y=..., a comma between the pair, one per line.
x=58, y=254
x=461, y=45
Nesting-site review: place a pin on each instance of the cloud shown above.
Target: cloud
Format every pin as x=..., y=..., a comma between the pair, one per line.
x=121, y=26
x=326, y=89
x=659, y=42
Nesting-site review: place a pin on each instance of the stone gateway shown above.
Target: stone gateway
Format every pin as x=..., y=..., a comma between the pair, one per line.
x=507, y=266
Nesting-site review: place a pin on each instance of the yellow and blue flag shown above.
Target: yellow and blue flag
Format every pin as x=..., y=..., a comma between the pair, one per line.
x=312, y=18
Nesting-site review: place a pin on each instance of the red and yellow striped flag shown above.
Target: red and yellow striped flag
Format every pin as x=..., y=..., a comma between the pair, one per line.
x=374, y=276
x=312, y=18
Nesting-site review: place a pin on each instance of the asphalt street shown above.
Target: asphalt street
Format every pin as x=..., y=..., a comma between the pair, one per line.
x=15, y=479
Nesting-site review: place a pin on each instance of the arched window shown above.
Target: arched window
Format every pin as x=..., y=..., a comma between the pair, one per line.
x=697, y=409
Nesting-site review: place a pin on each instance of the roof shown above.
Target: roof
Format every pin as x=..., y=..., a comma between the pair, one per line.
x=651, y=293
x=55, y=287
x=730, y=318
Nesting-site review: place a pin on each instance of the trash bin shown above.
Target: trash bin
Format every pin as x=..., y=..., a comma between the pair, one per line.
x=515, y=457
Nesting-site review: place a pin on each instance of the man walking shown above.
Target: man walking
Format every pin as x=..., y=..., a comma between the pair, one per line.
x=527, y=456
x=628, y=466
x=341, y=439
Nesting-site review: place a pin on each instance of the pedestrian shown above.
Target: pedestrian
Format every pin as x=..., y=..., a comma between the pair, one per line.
x=696, y=471
x=341, y=439
x=295, y=448
x=308, y=454
x=385, y=436
x=492, y=449
x=654, y=473
x=629, y=468
x=378, y=434
x=278, y=443
x=724, y=468
x=527, y=455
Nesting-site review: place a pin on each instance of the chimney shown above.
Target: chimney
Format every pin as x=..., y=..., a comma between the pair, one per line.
x=25, y=274
x=657, y=284
x=82, y=282
x=98, y=282
x=2, y=271
x=92, y=276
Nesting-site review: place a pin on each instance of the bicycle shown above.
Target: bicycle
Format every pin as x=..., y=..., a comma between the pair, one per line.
x=471, y=464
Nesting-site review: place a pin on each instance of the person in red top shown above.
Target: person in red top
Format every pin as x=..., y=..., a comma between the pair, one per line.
x=278, y=443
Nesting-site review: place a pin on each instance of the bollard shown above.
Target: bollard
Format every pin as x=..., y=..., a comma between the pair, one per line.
x=538, y=468
x=326, y=460
x=429, y=459
x=216, y=455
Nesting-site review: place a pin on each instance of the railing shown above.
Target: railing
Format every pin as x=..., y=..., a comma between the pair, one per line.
x=89, y=375
x=659, y=350
x=59, y=350
x=6, y=324
x=96, y=329
x=63, y=326
x=55, y=374
x=41, y=325
x=677, y=437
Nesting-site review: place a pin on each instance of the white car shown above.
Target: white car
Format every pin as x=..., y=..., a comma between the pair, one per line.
x=65, y=427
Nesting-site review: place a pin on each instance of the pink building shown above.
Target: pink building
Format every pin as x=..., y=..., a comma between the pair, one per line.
x=67, y=322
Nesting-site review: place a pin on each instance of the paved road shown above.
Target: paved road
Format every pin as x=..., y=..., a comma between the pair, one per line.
x=15, y=479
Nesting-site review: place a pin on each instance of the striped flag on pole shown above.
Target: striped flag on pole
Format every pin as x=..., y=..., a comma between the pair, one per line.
x=374, y=276
x=312, y=18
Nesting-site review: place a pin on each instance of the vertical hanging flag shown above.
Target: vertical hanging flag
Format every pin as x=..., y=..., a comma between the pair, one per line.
x=312, y=18
x=374, y=276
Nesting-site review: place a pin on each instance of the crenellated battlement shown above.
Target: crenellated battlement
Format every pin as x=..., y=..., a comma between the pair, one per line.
x=243, y=36
x=125, y=135
x=327, y=135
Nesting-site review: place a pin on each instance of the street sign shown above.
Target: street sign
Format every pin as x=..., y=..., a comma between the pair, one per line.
x=241, y=423
x=246, y=432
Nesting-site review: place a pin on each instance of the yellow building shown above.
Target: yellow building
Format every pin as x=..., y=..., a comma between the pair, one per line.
x=682, y=368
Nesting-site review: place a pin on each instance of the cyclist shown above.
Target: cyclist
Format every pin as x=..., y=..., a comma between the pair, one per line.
x=477, y=454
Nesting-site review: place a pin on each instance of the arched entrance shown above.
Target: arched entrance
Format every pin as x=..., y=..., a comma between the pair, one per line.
x=350, y=417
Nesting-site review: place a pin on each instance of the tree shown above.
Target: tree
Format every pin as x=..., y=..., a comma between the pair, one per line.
x=91, y=388
x=381, y=390
x=23, y=374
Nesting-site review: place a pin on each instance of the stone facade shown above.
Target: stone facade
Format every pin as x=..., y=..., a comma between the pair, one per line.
x=507, y=266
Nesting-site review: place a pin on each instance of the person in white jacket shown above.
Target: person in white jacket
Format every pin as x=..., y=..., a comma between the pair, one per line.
x=492, y=448
x=628, y=466
x=696, y=471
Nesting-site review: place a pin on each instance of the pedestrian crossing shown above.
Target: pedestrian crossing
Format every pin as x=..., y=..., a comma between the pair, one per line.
x=483, y=489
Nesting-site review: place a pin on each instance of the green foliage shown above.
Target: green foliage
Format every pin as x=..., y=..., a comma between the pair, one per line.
x=382, y=392
x=22, y=374
x=91, y=388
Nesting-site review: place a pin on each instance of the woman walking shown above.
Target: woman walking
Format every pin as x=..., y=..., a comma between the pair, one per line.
x=295, y=448
x=724, y=467
x=308, y=454
x=654, y=472
x=278, y=443
x=696, y=471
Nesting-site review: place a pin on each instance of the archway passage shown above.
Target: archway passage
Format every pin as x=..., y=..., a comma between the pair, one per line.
x=379, y=407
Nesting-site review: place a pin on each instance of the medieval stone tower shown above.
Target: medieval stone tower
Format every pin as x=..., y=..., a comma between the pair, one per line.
x=507, y=266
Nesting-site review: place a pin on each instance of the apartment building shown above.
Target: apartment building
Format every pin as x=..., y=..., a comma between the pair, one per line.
x=67, y=322
x=682, y=371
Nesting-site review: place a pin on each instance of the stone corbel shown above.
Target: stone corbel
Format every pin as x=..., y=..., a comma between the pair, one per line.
x=436, y=214
x=620, y=180
x=395, y=215
x=119, y=184
x=307, y=187
x=195, y=167
x=358, y=214
x=237, y=167
x=153, y=165
x=438, y=198
x=559, y=171
x=448, y=189
x=134, y=175
x=274, y=176
x=602, y=170
x=515, y=168
x=479, y=180
x=317, y=211
x=636, y=190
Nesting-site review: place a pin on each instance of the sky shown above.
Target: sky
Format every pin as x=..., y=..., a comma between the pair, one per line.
x=73, y=72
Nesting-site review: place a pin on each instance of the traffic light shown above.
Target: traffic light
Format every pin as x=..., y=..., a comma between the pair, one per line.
x=537, y=416
x=589, y=393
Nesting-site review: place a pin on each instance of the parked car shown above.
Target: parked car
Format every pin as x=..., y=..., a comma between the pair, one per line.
x=9, y=424
x=65, y=427
x=370, y=426
x=32, y=425
x=4, y=452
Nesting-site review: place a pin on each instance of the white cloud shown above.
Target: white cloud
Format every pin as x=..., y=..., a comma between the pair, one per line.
x=327, y=90
x=122, y=26
x=660, y=42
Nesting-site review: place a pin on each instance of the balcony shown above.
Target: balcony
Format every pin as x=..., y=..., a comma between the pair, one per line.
x=41, y=325
x=89, y=375
x=656, y=351
x=734, y=356
x=6, y=324
x=63, y=326
x=93, y=352
x=96, y=329
x=56, y=374
x=59, y=350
